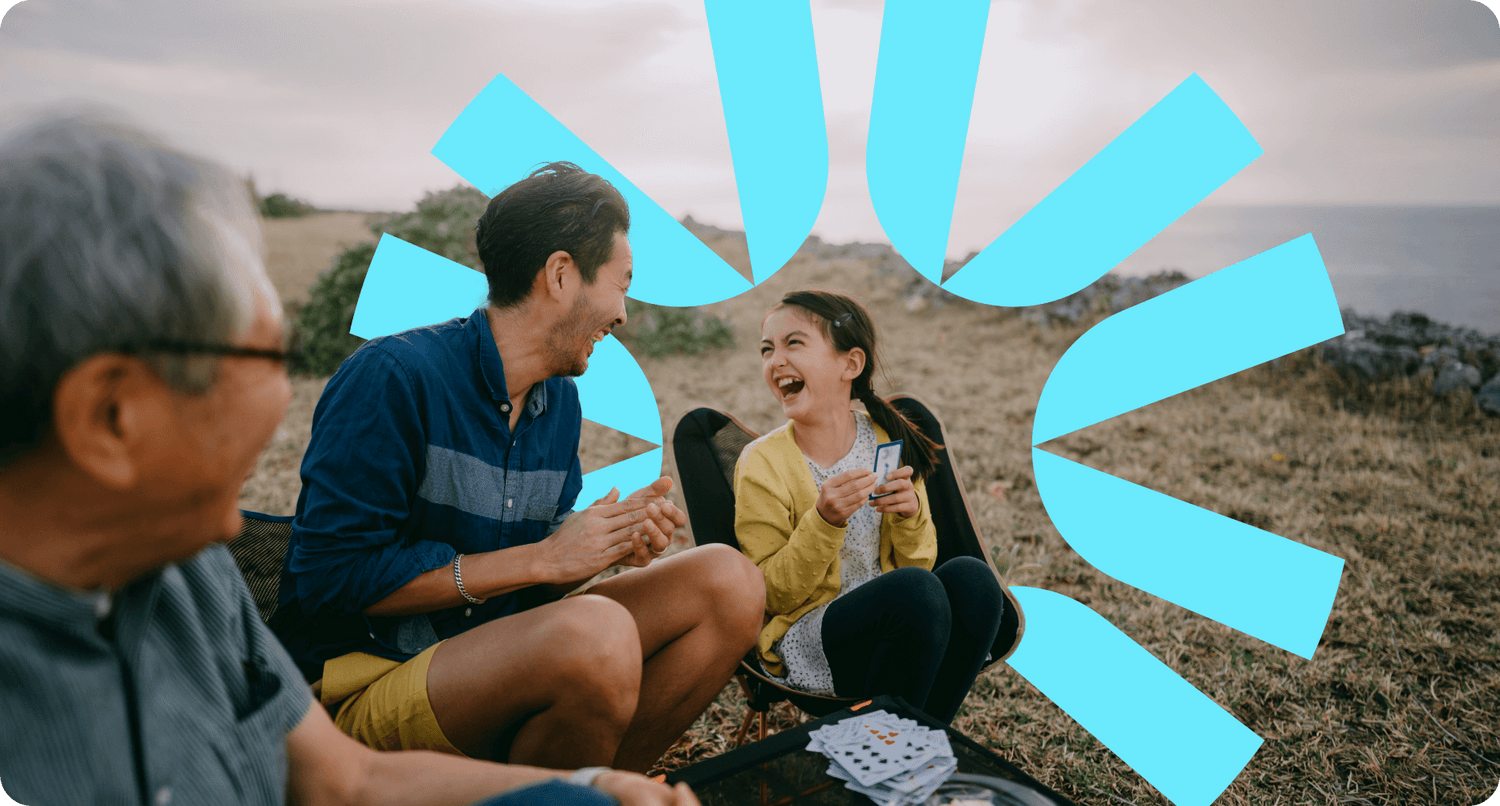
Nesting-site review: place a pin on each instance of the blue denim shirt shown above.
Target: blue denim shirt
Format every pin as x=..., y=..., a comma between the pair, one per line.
x=412, y=460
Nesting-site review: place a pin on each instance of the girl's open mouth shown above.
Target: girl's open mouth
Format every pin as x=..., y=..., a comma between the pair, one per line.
x=790, y=387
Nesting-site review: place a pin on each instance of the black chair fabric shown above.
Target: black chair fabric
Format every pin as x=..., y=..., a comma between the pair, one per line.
x=707, y=443
x=259, y=551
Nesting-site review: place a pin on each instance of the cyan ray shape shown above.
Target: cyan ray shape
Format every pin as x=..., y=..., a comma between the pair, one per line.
x=767, y=63
x=629, y=475
x=1258, y=309
x=502, y=135
x=1177, y=738
x=1170, y=159
x=615, y=393
x=1258, y=583
x=919, y=119
x=408, y=286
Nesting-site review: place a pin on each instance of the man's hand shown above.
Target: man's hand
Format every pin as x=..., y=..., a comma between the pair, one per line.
x=596, y=538
x=844, y=494
x=630, y=789
x=903, y=496
x=663, y=519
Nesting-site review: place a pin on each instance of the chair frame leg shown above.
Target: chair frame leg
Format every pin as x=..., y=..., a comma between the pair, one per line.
x=750, y=714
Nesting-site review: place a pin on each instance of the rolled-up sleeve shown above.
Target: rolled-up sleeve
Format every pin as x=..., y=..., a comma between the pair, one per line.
x=359, y=480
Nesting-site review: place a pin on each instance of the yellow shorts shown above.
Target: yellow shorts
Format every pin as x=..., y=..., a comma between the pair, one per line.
x=383, y=703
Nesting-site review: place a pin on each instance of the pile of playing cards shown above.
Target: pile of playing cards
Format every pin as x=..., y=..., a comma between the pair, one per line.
x=885, y=758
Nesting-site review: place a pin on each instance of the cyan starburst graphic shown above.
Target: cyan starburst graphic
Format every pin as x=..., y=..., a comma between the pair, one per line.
x=1169, y=160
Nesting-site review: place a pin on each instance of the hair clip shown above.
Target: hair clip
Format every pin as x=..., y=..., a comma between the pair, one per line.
x=842, y=319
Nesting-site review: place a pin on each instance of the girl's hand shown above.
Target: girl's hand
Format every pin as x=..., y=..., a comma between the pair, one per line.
x=844, y=494
x=903, y=496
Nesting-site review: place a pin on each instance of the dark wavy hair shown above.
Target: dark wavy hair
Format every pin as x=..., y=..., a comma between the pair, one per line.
x=559, y=207
x=847, y=325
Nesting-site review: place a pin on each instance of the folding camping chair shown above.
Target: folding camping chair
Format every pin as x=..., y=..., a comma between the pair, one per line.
x=707, y=444
x=259, y=551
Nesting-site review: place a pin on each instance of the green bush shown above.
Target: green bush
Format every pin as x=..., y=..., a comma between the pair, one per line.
x=443, y=223
x=323, y=324
x=280, y=205
x=659, y=331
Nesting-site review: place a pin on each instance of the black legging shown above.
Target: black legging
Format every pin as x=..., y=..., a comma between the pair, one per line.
x=917, y=634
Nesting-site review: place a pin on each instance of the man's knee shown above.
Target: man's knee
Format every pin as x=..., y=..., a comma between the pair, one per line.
x=596, y=653
x=731, y=585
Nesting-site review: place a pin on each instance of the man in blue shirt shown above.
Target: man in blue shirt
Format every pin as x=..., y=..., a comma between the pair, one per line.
x=141, y=374
x=435, y=532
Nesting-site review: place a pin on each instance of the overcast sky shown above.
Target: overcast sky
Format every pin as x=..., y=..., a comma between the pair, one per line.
x=1354, y=101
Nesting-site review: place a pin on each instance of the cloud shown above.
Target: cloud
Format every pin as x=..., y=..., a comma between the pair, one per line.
x=1355, y=101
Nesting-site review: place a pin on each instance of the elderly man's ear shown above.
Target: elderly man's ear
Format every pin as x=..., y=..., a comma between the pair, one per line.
x=105, y=411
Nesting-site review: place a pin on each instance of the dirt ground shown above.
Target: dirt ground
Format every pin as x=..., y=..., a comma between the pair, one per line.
x=1401, y=702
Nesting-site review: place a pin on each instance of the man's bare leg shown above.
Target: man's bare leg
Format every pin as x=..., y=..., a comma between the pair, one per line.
x=697, y=614
x=558, y=684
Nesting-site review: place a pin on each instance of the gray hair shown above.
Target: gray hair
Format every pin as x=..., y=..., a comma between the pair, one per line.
x=111, y=240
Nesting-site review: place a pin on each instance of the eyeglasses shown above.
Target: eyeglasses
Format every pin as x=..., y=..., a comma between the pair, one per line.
x=288, y=356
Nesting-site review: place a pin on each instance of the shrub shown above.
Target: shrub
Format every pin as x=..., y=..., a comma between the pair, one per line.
x=442, y=223
x=280, y=205
x=323, y=324
x=659, y=331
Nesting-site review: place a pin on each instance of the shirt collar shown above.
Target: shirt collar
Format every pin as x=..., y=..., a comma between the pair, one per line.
x=24, y=593
x=492, y=369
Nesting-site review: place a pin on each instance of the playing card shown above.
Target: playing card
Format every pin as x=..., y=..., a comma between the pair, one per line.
x=890, y=760
x=887, y=459
x=867, y=760
x=938, y=769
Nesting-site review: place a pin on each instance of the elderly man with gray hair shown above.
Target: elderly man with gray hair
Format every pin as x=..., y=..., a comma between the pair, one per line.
x=141, y=374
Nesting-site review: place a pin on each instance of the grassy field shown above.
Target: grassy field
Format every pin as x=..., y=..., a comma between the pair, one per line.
x=1401, y=702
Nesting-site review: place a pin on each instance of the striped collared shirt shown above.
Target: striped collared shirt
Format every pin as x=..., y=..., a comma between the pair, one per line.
x=171, y=692
x=412, y=460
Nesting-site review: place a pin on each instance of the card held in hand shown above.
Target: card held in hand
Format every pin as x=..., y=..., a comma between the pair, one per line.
x=887, y=459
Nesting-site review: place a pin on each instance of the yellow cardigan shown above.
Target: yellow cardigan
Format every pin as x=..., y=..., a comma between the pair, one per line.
x=777, y=523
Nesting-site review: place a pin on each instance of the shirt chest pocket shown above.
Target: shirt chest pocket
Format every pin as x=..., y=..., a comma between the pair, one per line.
x=252, y=751
x=532, y=495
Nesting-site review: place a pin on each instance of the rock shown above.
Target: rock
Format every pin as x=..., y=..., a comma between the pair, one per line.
x=1453, y=375
x=1370, y=360
x=1436, y=357
x=1488, y=396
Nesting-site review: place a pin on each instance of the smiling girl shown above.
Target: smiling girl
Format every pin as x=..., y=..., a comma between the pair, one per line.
x=856, y=607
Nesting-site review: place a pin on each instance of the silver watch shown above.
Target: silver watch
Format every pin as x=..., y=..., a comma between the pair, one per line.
x=586, y=776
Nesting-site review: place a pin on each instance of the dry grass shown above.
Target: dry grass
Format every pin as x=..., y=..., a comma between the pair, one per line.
x=1401, y=703
x=298, y=249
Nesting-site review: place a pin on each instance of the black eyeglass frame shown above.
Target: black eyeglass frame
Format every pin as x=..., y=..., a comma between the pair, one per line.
x=286, y=356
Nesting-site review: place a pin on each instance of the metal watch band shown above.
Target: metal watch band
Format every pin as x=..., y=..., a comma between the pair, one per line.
x=586, y=776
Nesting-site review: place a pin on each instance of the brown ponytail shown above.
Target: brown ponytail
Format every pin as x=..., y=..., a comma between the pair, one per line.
x=847, y=325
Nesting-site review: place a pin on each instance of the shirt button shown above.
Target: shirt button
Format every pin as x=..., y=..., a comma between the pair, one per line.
x=163, y=796
x=468, y=611
x=509, y=502
x=372, y=636
x=505, y=407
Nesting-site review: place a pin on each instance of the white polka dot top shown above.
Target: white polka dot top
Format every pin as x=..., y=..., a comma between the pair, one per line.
x=801, y=649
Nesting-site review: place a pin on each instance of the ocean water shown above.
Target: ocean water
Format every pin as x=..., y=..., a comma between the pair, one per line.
x=1440, y=261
